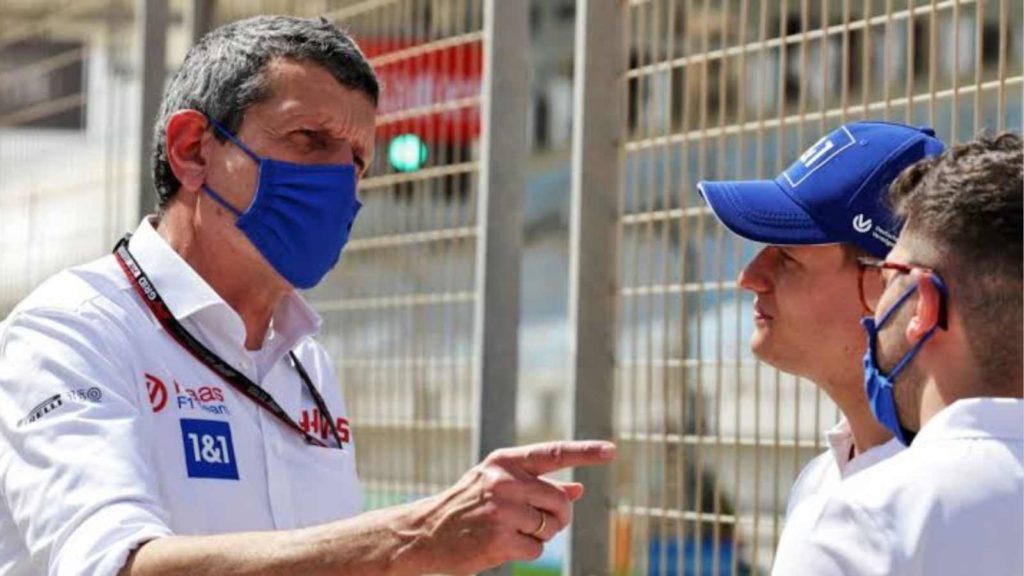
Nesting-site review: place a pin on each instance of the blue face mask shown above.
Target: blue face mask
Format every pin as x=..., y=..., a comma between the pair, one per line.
x=300, y=217
x=878, y=386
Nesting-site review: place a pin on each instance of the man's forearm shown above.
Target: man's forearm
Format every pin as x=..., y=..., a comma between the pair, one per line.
x=499, y=511
x=379, y=542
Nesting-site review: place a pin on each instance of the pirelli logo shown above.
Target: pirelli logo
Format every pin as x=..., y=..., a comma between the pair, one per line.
x=92, y=395
x=45, y=407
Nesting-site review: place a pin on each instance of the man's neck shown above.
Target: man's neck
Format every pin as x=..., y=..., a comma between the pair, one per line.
x=867, y=431
x=848, y=394
x=948, y=373
x=240, y=284
x=950, y=383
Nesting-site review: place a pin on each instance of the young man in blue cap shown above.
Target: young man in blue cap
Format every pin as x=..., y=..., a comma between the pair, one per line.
x=817, y=217
x=944, y=373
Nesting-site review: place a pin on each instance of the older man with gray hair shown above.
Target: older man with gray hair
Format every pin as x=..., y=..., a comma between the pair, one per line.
x=166, y=409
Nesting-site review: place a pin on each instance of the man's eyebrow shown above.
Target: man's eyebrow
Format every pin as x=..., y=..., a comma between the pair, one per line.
x=294, y=118
x=306, y=123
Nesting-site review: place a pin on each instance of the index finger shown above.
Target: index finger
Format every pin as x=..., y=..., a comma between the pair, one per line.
x=546, y=457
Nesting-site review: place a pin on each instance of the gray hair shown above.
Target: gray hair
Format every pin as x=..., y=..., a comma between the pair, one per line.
x=224, y=74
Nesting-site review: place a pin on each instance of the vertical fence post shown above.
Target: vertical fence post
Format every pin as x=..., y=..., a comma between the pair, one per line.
x=499, y=213
x=200, y=19
x=600, y=67
x=151, y=22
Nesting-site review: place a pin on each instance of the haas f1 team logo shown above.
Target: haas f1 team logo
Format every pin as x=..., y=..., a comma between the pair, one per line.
x=202, y=398
x=157, y=393
x=315, y=423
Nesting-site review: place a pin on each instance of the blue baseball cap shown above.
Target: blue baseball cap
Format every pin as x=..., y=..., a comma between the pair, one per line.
x=835, y=192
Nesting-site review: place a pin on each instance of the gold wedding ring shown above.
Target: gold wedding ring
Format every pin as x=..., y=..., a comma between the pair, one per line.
x=543, y=524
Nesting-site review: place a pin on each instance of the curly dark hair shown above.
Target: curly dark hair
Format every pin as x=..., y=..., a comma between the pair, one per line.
x=967, y=206
x=223, y=75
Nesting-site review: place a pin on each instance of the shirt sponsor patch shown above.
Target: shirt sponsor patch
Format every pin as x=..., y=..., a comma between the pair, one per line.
x=157, y=391
x=317, y=424
x=53, y=403
x=42, y=409
x=209, y=451
x=209, y=399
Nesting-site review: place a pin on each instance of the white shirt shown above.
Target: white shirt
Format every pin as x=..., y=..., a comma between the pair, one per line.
x=832, y=466
x=112, y=434
x=952, y=503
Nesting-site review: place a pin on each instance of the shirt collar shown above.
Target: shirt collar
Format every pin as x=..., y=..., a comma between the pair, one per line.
x=840, y=441
x=181, y=288
x=840, y=444
x=188, y=296
x=996, y=418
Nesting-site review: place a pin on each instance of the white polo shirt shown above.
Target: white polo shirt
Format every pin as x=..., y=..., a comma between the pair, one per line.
x=832, y=466
x=112, y=434
x=952, y=503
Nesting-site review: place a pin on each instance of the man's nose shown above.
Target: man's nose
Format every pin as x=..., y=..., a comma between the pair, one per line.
x=755, y=276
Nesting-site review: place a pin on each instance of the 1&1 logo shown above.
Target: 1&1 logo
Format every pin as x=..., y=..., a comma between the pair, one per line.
x=209, y=450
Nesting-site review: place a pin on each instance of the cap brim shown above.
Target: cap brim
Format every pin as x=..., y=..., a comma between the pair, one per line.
x=760, y=210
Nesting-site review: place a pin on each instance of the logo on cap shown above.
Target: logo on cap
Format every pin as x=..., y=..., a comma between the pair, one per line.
x=861, y=223
x=818, y=155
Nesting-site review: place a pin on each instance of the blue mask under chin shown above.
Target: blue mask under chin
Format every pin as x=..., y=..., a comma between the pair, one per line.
x=879, y=386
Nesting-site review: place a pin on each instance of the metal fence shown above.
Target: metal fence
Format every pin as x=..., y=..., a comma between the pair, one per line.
x=421, y=316
x=401, y=311
x=67, y=136
x=734, y=89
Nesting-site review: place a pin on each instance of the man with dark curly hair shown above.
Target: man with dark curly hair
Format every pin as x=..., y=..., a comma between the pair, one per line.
x=944, y=372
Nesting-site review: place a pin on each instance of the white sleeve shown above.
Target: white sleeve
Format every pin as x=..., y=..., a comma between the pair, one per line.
x=829, y=536
x=75, y=468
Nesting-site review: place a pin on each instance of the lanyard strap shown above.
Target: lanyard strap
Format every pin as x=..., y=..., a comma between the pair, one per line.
x=240, y=382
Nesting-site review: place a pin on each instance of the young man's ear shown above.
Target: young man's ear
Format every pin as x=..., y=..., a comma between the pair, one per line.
x=927, y=311
x=186, y=130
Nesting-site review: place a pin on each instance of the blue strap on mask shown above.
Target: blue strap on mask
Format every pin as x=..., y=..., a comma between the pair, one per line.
x=879, y=386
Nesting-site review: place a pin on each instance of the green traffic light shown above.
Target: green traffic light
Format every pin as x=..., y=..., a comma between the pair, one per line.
x=407, y=153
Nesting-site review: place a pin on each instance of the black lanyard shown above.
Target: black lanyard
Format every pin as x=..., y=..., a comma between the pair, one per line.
x=228, y=373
